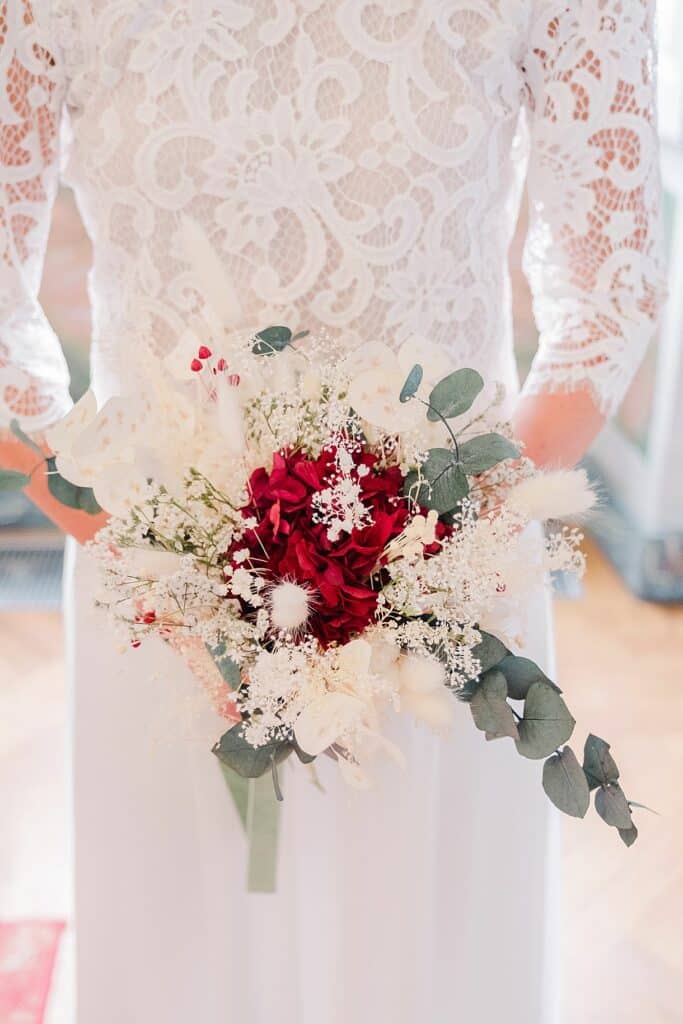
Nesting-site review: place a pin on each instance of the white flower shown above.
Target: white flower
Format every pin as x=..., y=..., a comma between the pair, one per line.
x=62, y=435
x=563, y=494
x=119, y=487
x=326, y=720
x=374, y=395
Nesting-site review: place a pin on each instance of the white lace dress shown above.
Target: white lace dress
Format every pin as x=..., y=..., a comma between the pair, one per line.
x=358, y=165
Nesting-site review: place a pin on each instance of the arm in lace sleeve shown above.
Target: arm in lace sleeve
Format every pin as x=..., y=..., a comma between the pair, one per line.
x=33, y=374
x=594, y=250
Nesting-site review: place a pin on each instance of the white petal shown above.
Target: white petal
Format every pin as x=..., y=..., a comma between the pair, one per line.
x=118, y=487
x=61, y=435
x=374, y=355
x=374, y=395
x=322, y=723
x=354, y=657
x=432, y=358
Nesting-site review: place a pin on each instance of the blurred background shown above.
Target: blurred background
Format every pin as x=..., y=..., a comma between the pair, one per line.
x=620, y=635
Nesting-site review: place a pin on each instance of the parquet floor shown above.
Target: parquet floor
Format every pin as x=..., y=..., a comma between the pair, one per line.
x=621, y=661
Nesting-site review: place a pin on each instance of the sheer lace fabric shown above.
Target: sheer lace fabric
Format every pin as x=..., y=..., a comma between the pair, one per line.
x=357, y=165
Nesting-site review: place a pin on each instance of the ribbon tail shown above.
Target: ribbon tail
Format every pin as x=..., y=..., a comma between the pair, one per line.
x=259, y=812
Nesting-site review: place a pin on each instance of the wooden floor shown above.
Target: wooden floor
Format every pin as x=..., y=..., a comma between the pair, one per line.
x=621, y=665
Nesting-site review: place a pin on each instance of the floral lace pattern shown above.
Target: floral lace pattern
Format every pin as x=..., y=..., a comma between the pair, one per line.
x=356, y=165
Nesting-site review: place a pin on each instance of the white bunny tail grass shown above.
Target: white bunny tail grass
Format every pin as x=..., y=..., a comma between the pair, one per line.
x=561, y=494
x=290, y=606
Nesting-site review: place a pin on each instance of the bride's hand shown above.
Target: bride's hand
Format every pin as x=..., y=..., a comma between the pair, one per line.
x=557, y=429
x=19, y=457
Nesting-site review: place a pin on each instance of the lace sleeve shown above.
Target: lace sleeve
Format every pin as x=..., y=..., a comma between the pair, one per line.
x=33, y=374
x=594, y=254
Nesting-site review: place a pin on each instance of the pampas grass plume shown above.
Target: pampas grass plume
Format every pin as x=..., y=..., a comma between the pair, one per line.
x=560, y=494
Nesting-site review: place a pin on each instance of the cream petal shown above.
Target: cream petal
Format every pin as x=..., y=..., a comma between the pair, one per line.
x=325, y=719
x=62, y=434
x=354, y=657
x=432, y=358
x=374, y=395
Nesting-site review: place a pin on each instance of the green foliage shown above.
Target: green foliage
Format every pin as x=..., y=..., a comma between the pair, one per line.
x=80, y=498
x=235, y=752
x=612, y=806
x=486, y=451
x=412, y=383
x=547, y=722
x=521, y=674
x=490, y=709
x=598, y=764
x=272, y=340
x=228, y=668
x=565, y=783
x=489, y=652
x=628, y=835
x=11, y=480
x=454, y=395
x=441, y=483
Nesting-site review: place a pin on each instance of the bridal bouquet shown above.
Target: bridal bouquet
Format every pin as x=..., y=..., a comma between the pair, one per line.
x=344, y=538
x=349, y=540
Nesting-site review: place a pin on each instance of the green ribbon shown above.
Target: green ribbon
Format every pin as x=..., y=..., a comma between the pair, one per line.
x=259, y=812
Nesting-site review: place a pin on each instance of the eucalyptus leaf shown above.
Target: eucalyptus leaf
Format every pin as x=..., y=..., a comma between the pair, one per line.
x=598, y=764
x=250, y=762
x=629, y=835
x=302, y=755
x=490, y=709
x=612, y=806
x=228, y=668
x=271, y=340
x=489, y=652
x=522, y=673
x=486, y=451
x=443, y=482
x=547, y=723
x=25, y=439
x=80, y=498
x=12, y=480
x=455, y=394
x=412, y=383
x=565, y=783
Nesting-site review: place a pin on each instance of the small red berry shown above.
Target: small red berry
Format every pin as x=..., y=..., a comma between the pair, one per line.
x=149, y=618
x=135, y=643
x=204, y=352
x=196, y=365
x=234, y=380
x=221, y=364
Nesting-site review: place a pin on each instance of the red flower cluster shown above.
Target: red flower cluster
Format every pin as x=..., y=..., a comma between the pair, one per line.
x=337, y=574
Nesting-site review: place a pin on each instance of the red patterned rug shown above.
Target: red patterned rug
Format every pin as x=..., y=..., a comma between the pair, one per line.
x=27, y=957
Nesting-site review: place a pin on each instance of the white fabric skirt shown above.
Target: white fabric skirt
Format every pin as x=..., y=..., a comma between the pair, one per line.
x=430, y=899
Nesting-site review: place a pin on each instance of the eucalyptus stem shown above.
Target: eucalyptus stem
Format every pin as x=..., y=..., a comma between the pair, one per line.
x=428, y=405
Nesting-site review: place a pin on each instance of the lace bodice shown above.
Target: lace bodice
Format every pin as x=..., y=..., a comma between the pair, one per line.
x=357, y=165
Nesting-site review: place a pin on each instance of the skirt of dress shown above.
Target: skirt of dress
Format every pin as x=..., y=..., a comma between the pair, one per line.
x=430, y=899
